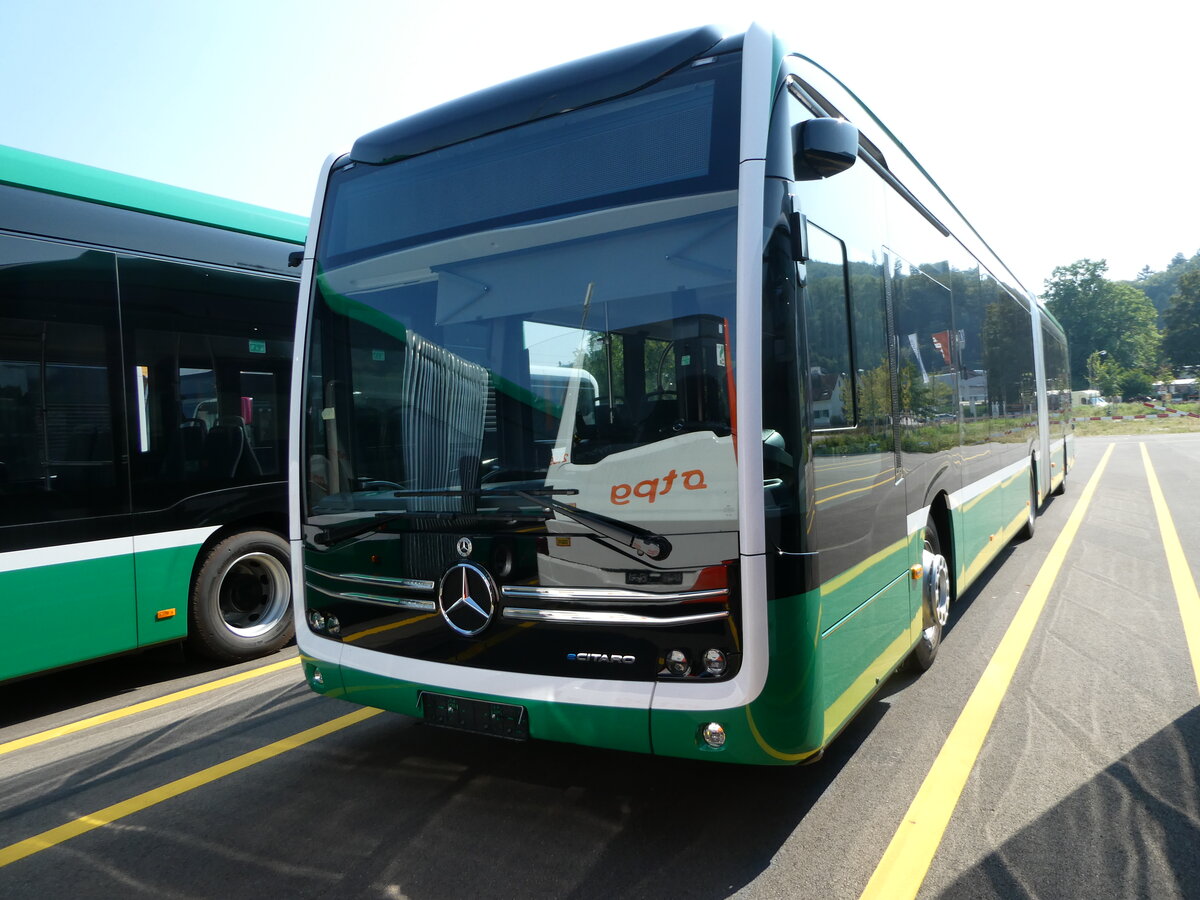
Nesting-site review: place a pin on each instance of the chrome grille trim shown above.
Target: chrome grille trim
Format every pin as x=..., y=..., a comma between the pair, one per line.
x=411, y=584
x=608, y=595
x=403, y=602
x=582, y=617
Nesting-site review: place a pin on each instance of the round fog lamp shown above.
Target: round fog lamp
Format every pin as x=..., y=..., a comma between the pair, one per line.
x=714, y=735
x=315, y=619
x=317, y=678
x=332, y=625
x=714, y=662
x=677, y=663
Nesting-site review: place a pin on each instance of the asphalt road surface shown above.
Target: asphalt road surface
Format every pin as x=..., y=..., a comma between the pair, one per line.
x=149, y=776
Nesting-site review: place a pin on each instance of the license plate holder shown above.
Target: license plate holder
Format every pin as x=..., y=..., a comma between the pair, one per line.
x=504, y=720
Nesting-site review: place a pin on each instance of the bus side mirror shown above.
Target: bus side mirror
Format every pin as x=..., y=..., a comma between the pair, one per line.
x=824, y=147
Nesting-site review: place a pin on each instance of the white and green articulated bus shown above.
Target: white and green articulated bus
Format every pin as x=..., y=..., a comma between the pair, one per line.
x=145, y=363
x=658, y=401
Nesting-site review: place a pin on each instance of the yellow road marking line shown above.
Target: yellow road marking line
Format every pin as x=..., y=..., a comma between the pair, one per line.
x=145, y=705
x=870, y=487
x=871, y=477
x=379, y=629
x=1181, y=576
x=110, y=814
x=907, y=859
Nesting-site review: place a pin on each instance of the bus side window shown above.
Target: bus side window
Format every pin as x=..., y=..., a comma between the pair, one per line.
x=827, y=312
x=59, y=385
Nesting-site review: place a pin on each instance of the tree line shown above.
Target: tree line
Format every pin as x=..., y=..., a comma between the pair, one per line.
x=1126, y=335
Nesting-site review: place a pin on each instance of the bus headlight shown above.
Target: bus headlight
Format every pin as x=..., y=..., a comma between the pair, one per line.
x=714, y=735
x=316, y=619
x=677, y=663
x=714, y=662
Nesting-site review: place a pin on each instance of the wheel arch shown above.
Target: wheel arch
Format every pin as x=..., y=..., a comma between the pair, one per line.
x=939, y=514
x=266, y=521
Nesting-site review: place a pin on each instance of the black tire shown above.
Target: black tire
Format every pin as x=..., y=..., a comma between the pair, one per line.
x=240, y=605
x=936, y=596
x=1030, y=525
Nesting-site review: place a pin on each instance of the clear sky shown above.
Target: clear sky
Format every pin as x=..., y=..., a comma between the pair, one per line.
x=1061, y=129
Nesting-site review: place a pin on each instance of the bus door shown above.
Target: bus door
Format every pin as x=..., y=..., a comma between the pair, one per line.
x=857, y=522
x=66, y=564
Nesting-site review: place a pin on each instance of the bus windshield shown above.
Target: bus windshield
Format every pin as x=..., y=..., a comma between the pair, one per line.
x=551, y=306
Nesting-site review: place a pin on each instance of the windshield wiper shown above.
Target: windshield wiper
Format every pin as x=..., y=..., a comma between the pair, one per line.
x=328, y=537
x=653, y=545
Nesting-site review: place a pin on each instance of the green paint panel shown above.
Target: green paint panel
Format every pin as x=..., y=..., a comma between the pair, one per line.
x=976, y=524
x=677, y=733
x=783, y=725
x=862, y=646
x=63, y=614
x=57, y=176
x=985, y=525
x=593, y=726
x=163, y=582
x=861, y=653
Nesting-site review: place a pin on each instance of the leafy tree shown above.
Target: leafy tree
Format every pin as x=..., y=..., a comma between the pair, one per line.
x=1160, y=287
x=1135, y=384
x=1104, y=373
x=1099, y=314
x=1181, y=342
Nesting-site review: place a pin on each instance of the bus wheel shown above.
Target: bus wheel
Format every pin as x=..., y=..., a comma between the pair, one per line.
x=241, y=599
x=1030, y=525
x=935, y=600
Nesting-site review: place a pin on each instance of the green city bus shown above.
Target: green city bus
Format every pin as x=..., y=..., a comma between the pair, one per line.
x=145, y=363
x=658, y=401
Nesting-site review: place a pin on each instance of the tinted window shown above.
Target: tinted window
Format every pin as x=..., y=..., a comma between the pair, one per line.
x=927, y=340
x=59, y=384
x=830, y=365
x=674, y=138
x=209, y=356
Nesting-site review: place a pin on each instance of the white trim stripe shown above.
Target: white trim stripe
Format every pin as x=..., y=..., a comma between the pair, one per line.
x=171, y=540
x=15, y=560
x=84, y=551
x=985, y=484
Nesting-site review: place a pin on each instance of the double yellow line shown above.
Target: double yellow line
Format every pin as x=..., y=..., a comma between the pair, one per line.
x=103, y=718
x=84, y=824
x=906, y=861
x=147, y=799
x=109, y=814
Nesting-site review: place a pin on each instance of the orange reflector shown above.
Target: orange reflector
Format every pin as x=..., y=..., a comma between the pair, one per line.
x=712, y=578
x=917, y=571
x=165, y=614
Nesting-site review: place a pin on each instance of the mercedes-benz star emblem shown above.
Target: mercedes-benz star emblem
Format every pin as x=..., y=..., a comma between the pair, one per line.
x=467, y=598
x=465, y=547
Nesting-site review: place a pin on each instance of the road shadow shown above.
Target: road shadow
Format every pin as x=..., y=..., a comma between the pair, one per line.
x=37, y=696
x=444, y=814
x=1133, y=831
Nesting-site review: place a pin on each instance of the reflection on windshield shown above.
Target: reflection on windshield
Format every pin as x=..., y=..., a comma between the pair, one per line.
x=590, y=355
